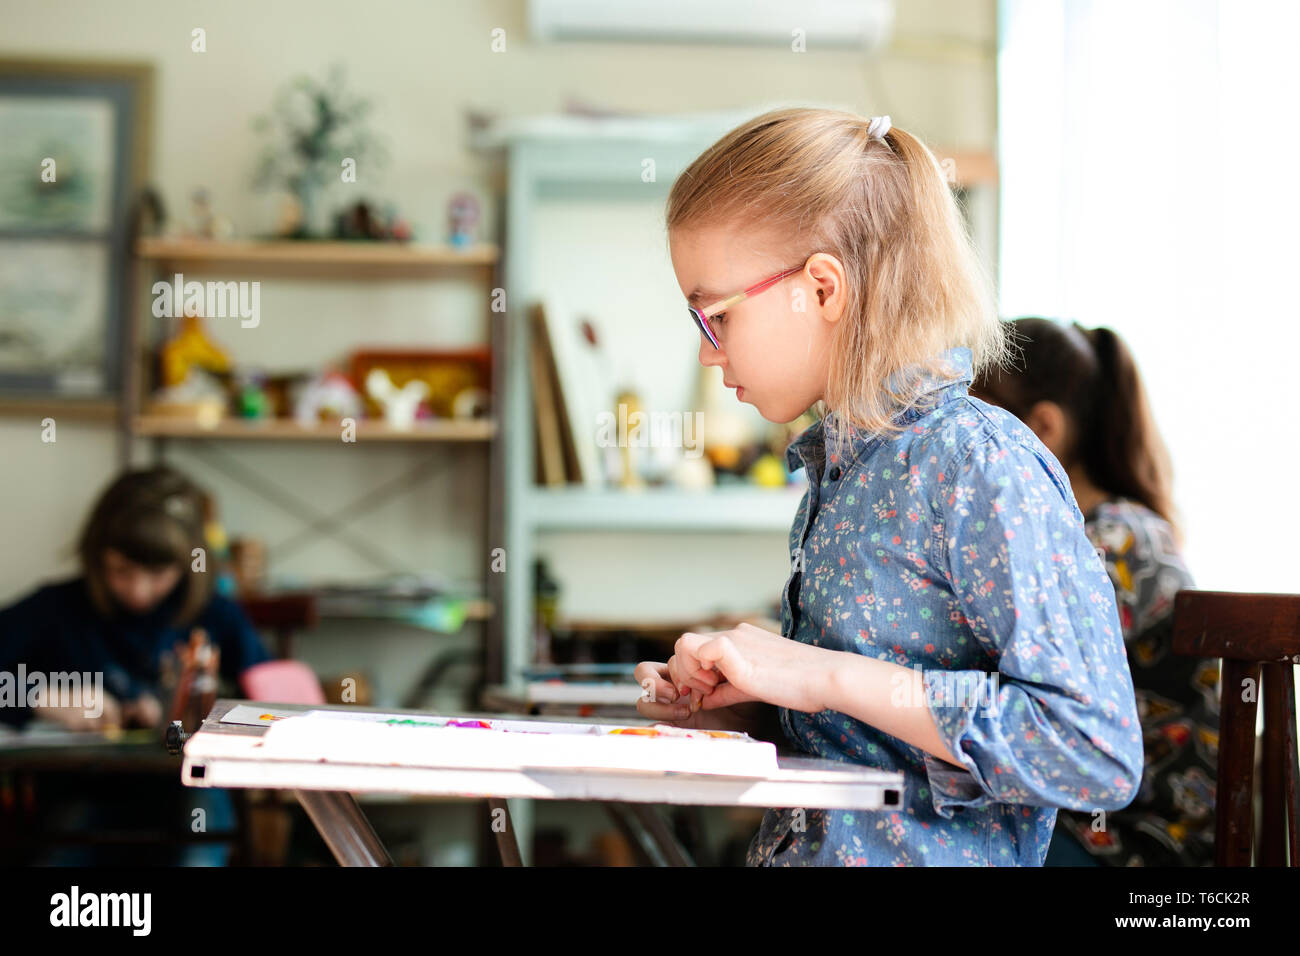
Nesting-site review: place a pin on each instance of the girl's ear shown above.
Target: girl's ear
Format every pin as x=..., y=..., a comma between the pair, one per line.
x=1048, y=421
x=831, y=278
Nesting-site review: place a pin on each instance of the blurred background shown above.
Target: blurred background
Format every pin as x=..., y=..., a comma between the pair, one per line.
x=443, y=223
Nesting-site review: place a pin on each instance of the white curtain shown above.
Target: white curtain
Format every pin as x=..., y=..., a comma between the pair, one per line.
x=1148, y=154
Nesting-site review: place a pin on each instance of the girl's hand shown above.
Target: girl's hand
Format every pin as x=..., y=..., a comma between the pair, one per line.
x=684, y=686
x=73, y=716
x=144, y=711
x=661, y=701
x=748, y=663
x=670, y=693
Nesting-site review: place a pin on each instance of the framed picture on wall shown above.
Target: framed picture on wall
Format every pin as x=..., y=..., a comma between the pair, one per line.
x=73, y=156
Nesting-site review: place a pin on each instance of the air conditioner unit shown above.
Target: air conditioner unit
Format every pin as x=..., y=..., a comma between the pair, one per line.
x=854, y=24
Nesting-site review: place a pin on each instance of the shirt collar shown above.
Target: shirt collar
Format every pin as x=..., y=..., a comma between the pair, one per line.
x=954, y=377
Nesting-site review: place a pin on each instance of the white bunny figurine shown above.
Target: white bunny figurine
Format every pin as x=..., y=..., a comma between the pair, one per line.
x=399, y=404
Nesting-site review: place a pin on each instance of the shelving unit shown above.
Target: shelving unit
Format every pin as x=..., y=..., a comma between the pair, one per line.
x=331, y=261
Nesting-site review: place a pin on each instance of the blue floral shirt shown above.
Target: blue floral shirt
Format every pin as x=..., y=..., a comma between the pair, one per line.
x=957, y=548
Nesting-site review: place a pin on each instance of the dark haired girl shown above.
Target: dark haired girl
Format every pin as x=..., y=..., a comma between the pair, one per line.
x=141, y=590
x=1080, y=392
x=137, y=596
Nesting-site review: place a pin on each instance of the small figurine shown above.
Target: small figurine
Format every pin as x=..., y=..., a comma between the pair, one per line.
x=359, y=222
x=149, y=217
x=328, y=397
x=463, y=211
x=399, y=404
x=214, y=535
x=630, y=456
x=471, y=402
x=399, y=230
x=251, y=400
x=290, y=223
x=205, y=223
x=191, y=347
x=768, y=471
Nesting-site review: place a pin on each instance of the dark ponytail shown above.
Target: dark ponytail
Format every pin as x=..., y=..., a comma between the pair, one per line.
x=1092, y=375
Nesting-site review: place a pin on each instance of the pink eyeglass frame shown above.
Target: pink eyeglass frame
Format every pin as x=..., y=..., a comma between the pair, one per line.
x=701, y=316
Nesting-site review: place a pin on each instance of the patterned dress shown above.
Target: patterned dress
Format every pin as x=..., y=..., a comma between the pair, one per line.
x=956, y=548
x=1171, y=822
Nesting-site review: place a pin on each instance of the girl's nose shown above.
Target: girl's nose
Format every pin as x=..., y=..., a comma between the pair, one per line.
x=708, y=354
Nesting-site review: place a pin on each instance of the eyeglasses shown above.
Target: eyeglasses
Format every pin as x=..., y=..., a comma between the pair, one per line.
x=701, y=316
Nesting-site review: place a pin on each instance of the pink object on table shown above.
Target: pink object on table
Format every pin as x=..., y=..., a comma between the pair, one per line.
x=282, y=682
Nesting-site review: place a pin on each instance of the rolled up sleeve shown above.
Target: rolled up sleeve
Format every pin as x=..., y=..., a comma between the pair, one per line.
x=1052, y=721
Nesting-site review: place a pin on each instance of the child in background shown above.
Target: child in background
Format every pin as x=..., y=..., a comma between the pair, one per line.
x=945, y=616
x=134, y=600
x=1080, y=392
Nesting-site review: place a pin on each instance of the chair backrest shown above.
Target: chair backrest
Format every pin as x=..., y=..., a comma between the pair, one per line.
x=282, y=682
x=282, y=614
x=1255, y=635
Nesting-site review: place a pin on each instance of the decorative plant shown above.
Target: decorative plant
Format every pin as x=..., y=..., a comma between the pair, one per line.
x=313, y=127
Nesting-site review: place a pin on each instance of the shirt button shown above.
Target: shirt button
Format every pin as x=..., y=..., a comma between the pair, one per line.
x=835, y=473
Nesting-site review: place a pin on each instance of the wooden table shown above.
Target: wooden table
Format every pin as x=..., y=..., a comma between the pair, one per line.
x=29, y=757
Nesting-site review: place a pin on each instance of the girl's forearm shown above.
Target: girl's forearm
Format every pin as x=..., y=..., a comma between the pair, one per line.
x=886, y=696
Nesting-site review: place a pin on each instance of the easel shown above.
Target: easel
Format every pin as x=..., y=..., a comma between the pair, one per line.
x=228, y=755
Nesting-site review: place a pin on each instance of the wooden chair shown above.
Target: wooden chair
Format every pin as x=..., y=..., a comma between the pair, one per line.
x=1250, y=633
x=265, y=824
x=283, y=614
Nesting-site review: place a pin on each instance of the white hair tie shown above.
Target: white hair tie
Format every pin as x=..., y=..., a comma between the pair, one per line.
x=878, y=127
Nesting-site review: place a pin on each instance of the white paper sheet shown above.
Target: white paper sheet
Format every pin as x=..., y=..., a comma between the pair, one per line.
x=408, y=740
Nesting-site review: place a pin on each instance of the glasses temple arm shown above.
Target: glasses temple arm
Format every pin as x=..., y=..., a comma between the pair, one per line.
x=725, y=304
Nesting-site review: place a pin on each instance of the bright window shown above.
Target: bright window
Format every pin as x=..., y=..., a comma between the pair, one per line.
x=1148, y=150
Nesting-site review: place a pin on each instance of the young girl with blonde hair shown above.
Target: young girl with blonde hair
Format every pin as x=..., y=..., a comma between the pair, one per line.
x=945, y=615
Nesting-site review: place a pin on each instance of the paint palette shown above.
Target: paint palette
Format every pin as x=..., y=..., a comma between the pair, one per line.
x=502, y=744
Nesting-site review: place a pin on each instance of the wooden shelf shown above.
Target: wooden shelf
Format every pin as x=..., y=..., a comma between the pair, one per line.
x=662, y=509
x=971, y=167
x=320, y=258
x=476, y=609
x=479, y=609
x=76, y=409
x=162, y=426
